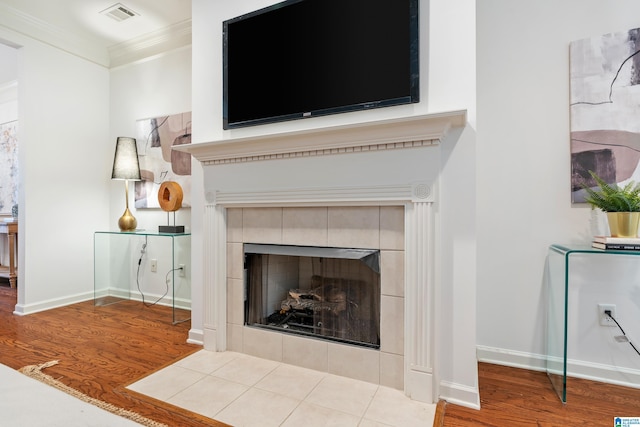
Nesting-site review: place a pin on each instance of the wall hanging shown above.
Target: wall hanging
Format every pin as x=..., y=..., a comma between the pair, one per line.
x=605, y=106
x=158, y=163
x=8, y=167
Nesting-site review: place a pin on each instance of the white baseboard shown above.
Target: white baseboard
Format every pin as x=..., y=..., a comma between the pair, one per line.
x=165, y=300
x=515, y=359
x=609, y=374
x=196, y=336
x=460, y=394
x=25, y=309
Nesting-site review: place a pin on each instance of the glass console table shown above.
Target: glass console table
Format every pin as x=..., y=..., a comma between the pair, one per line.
x=122, y=269
x=557, y=308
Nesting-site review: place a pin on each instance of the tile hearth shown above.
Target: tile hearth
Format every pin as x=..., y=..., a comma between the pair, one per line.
x=243, y=390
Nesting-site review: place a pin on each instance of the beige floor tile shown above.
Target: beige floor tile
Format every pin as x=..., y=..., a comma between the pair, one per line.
x=369, y=423
x=392, y=407
x=258, y=408
x=167, y=382
x=291, y=381
x=309, y=415
x=246, y=370
x=207, y=361
x=343, y=394
x=208, y=396
x=243, y=390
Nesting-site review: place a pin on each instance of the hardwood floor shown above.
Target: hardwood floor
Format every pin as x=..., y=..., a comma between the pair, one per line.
x=103, y=349
x=100, y=350
x=518, y=397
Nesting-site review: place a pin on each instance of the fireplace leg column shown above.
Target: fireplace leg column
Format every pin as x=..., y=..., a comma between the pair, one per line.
x=419, y=301
x=215, y=280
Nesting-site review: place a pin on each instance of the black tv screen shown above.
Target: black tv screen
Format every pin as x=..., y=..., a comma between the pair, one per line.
x=306, y=58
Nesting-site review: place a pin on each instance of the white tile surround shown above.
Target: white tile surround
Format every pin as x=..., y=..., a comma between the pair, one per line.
x=352, y=227
x=310, y=188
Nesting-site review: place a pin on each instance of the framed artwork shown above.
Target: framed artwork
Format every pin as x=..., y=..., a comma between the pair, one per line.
x=8, y=166
x=605, y=106
x=158, y=163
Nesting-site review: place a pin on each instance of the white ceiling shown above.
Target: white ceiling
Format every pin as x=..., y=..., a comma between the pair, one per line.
x=83, y=18
x=78, y=26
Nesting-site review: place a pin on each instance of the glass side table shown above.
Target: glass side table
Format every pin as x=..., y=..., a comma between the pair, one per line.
x=558, y=281
x=122, y=265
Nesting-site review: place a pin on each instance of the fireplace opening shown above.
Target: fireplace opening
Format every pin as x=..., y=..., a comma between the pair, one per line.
x=327, y=293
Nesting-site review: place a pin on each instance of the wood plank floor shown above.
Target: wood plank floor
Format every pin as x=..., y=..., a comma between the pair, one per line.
x=518, y=397
x=103, y=349
x=100, y=350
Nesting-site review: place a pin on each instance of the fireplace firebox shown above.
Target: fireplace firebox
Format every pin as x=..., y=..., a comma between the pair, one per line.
x=327, y=293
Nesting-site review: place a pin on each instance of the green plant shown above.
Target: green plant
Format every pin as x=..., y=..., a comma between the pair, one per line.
x=613, y=198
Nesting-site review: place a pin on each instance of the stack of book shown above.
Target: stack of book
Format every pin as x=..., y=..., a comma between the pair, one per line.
x=616, y=243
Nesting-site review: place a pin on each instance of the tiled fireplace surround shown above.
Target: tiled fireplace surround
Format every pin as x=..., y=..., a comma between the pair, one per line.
x=372, y=185
x=346, y=227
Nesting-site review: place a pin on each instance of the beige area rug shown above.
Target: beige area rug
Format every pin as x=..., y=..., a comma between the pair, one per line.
x=35, y=372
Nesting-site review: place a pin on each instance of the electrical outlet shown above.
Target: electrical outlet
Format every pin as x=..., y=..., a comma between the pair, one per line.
x=182, y=270
x=604, y=319
x=154, y=265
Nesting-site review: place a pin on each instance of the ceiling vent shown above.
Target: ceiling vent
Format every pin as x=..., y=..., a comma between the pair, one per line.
x=119, y=12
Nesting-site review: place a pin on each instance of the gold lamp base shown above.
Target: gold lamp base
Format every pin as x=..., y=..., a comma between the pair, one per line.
x=127, y=222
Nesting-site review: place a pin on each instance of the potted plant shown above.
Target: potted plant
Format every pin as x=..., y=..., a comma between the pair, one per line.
x=621, y=204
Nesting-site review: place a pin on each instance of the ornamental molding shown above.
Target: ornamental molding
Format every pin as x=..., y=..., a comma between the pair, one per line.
x=408, y=132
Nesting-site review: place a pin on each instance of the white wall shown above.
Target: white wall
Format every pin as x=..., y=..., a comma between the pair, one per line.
x=153, y=87
x=447, y=82
x=523, y=184
x=9, y=61
x=63, y=115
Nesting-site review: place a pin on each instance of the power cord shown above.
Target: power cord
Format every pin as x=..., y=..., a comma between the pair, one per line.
x=608, y=313
x=181, y=268
x=166, y=279
x=142, y=252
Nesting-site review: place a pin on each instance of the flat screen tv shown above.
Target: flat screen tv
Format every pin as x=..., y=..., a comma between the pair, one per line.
x=306, y=58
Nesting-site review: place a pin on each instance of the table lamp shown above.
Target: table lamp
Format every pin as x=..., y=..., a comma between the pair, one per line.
x=126, y=167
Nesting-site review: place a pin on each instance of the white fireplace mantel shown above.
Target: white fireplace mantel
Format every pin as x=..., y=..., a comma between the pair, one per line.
x=395, y=162
x=367, y=136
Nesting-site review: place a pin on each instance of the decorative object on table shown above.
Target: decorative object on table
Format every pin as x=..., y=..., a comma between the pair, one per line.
x=14, y=211
x=621, y=204
x=158, y=162
x=126, y=167
x=605, y=103
x=170, y=200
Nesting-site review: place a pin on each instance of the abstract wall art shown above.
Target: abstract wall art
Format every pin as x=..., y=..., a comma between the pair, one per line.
x=158, y=163
x=605, y=110
x=8, y=166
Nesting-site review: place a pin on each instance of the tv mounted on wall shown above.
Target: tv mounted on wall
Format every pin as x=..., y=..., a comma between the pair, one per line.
x=306, y=58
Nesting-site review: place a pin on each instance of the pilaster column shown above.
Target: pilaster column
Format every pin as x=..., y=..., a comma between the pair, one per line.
x=419, y=300
x=215, y=280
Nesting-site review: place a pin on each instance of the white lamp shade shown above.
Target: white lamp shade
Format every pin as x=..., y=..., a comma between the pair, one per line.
x=125, y=162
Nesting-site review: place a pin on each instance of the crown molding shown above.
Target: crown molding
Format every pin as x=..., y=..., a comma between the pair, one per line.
x=93, y=49
x=169, y=38
x=22, y=23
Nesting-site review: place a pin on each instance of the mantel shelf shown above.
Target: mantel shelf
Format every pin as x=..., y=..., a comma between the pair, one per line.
x=352, y=137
